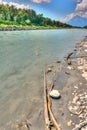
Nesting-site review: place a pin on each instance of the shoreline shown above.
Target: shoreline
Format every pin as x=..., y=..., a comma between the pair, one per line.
x=70, y=77
x=31, y=28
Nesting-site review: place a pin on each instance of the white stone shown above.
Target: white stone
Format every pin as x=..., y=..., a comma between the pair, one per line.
x=55, y=94
x=75, y=87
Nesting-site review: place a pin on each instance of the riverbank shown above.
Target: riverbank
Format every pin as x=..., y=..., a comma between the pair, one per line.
x=70, y=78
x=19, y=28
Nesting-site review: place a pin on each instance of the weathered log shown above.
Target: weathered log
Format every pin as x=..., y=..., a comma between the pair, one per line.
x=69, y=55
x=68, y=58
x=51, y=86
x=51, y=114
x=46, y=113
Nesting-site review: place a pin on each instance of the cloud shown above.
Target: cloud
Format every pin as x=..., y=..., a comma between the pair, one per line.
x=16, y=5
x=77, y=0
x=41, y=1
x=0, y=1
x=80, y=10
x=67, y=18
x=82, y=6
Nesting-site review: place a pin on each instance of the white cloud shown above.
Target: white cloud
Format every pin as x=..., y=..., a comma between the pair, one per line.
x=67, y=18
x=77, y=0
x=83, y=14
x=80, y=10
x=0, y=1
x=82, y=6
x=41, y=1
x=16, y=5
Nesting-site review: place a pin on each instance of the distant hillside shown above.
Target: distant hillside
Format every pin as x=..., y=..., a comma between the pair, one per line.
x=9, y=15
x=78, y=21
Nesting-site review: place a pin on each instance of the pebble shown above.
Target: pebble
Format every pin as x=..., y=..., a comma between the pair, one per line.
x=58, y=61
x=55, y=94
x=70, y=67
x=75, y=87
x=71, y=114
x=69, y=123
x=49, y=70
x=51, y=66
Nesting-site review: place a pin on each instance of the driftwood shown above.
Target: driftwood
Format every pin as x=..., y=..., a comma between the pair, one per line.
x=51, y=114
x=46, y=113
x=49, y=108
x=51, y=86
x=68, y=58
x=69, y=55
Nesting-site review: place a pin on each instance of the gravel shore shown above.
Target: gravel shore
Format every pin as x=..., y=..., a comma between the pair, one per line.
x=71, y=81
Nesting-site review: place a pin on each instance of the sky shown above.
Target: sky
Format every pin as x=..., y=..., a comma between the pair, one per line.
x=62, y=10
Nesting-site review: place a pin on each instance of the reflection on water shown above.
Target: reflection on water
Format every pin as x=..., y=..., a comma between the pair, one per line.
x=23, y=55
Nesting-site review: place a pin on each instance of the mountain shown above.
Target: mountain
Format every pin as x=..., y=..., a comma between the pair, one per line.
x=78, y=21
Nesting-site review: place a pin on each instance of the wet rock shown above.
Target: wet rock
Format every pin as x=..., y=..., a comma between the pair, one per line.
x=58, y=61
x=75, y=49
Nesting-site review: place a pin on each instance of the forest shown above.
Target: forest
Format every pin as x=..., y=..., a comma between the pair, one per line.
x=85, y=27
x=11, y=16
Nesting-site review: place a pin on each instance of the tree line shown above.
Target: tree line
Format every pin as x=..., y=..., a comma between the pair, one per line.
x=10, y=15
x=85, y=27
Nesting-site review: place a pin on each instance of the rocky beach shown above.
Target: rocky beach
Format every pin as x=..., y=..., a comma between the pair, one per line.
x=69, y=77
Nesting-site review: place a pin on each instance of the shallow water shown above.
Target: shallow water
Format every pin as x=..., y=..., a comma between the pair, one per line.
x=23, y=56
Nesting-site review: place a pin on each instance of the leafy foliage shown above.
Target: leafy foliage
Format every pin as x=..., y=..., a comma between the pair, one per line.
x=9, y=15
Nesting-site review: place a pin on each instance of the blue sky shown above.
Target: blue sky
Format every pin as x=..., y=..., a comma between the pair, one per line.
x=63, y=10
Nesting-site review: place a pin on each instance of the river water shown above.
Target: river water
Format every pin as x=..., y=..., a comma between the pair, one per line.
x=23, y=56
